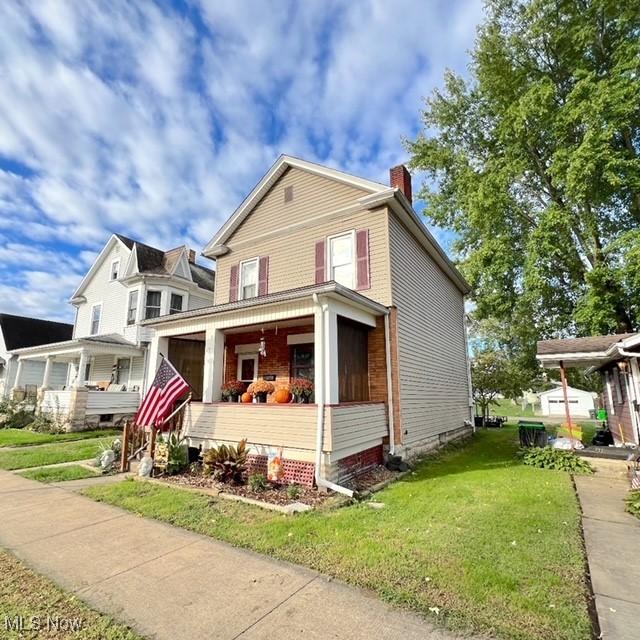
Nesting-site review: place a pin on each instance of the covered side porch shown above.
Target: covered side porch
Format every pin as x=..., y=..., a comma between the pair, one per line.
x=103, y=383
x=617, y=359
x=333, y=337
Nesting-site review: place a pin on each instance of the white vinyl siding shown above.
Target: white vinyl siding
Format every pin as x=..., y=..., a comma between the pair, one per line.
x=434, y=385
x=197, y=302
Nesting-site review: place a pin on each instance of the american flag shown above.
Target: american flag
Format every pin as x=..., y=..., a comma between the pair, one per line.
x=167, y=387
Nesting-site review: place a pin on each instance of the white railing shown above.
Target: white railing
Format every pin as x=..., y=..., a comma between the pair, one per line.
x=112, y=402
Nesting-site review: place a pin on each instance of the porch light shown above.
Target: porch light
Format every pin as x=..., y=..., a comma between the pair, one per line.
x=623, y=365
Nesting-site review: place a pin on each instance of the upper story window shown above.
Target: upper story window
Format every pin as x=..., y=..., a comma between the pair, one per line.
x=249, y=279
x=152, y=306
x=115, y=269
x=175, y=305
x=132, y=308
x=341, y=256
x=96, y=312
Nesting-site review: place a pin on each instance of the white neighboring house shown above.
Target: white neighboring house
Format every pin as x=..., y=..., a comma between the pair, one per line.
x=580, y=402
x=18, y=332
x=129, y=282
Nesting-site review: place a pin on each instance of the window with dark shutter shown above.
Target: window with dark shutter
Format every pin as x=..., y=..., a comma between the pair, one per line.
x=263, y=275
x=321, y=250
x=233, y=283
x=363, y=276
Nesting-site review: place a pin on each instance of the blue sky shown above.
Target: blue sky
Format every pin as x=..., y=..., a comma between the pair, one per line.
x=155, y=119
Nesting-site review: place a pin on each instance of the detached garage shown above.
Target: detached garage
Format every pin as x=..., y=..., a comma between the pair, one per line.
x=580, y=402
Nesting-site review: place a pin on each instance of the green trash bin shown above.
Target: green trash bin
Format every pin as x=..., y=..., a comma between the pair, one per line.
x=532, y=433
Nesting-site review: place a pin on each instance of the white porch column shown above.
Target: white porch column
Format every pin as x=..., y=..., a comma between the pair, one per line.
x=48, y=367
x=213, y=365
x=82, y=365
x=331, y=379
x=16, y=382
x=159, y=347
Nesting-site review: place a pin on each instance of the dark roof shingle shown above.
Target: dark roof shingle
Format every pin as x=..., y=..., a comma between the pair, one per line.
x=590, y=344
x=19, y=331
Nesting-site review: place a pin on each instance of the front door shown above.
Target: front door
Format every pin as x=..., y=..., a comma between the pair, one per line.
x=248, y=367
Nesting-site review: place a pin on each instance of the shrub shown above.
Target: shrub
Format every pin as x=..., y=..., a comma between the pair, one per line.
x=633, y=503
x=258, y=482
x=293, y=492
x=226, y=463
x=43, y=423
x=558, y=459
x=178, y=457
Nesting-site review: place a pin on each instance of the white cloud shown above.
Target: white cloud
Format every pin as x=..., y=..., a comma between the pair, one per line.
x=132, y=117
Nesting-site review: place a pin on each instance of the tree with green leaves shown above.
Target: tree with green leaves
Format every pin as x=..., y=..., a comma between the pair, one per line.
x=534, y=163
x=493, y=376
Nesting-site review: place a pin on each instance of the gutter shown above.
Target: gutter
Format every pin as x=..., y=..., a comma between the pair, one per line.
x=319, y=313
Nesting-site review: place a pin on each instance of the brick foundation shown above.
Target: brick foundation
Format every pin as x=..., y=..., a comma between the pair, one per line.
x=359, y=462
x=295, y=471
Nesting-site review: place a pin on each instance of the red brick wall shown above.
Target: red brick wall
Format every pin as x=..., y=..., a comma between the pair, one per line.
x=278, y=352
x=360, y=462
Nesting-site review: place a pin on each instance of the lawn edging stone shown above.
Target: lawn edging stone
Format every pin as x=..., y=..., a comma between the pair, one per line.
x=290, y=509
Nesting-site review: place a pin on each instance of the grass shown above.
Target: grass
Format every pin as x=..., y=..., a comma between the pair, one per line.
x=25, y=593
x=24, y=437
x=506, y=407
x=59, y=474
x=52, y=453
x=633, y=503
x=494, y=545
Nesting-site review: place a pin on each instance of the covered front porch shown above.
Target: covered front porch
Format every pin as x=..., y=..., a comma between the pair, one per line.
x=336, y=341
x=103, y=383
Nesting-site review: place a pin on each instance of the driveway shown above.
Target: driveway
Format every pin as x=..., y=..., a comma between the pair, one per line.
x=170, y=583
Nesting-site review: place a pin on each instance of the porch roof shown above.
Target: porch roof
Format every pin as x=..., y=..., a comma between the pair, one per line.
x=591, y=351
x=332, y=289
x=91, y=345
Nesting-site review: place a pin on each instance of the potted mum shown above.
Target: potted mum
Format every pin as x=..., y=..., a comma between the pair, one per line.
x=260, y=389
x=301, y=389
x=232, y=390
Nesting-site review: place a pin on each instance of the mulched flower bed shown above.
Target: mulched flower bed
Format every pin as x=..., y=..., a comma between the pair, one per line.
x=277, y=494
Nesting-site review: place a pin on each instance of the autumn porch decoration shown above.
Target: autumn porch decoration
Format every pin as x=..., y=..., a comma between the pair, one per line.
x=302, y=389
x=232, y=390
x=282, y=395
x=259, y=389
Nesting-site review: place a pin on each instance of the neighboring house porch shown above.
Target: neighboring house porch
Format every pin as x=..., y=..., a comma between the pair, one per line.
x=103, y=384
x=329, y=334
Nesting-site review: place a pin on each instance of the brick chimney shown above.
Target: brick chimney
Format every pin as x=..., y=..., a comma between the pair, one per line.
x=400, y=177
x=192, y=256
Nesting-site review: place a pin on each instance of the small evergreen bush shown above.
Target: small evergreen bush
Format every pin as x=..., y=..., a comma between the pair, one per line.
x=293, y=492
x=258, y=482
x=558, y=459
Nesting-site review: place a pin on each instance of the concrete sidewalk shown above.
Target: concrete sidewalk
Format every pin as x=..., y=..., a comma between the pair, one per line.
x=169, y=583
x=612, y=539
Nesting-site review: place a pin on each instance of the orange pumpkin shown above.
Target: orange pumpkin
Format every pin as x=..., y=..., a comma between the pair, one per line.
x=282, y=396
x=246, y=397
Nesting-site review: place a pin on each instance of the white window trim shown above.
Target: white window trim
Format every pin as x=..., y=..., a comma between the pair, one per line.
x=240, y=282
x=126, y=311
x=128, y=383
x=247, y=356
x=185, y=300
x=354, y=258
x=146, y=293
x=116, y=262
x=93, y=306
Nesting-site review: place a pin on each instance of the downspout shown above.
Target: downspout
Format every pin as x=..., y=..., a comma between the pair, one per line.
x=319, y=313
x=387, y=350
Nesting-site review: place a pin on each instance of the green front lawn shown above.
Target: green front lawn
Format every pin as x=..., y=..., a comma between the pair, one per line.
x=52, y=453
x=25, y=593
x=24, y=437
x=506, y=407
x=59, y=474
x=474, y=540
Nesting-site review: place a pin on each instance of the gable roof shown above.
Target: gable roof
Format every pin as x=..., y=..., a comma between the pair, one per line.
x=151, y=261
x=283, y=163
x=376, y=194
x=19, y=331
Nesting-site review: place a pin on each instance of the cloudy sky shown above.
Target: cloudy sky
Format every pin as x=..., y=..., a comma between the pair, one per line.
x=154, y=119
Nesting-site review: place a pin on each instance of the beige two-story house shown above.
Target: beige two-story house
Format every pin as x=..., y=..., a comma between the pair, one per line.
x=327, y=276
